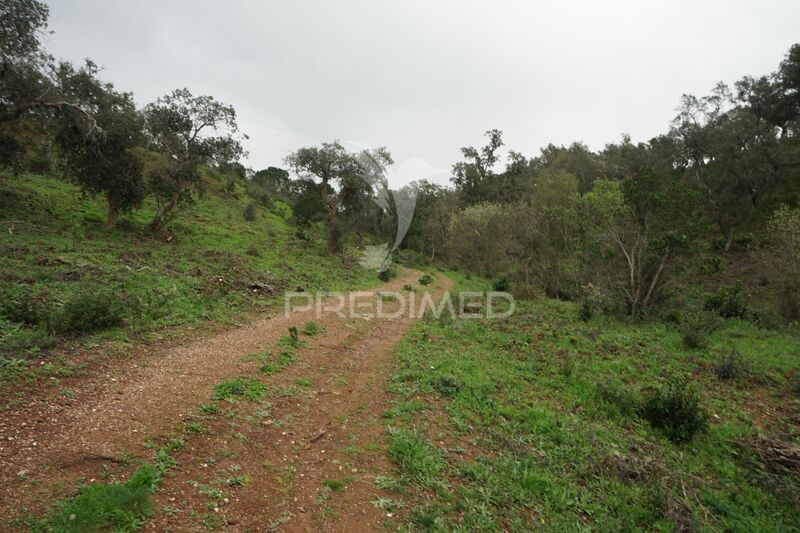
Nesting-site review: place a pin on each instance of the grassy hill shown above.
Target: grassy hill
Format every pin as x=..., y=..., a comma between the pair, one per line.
x=56, y=257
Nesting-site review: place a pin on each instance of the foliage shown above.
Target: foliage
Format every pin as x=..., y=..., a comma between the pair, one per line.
x=178, y=126
x=728, y=302
x=675, y=410
x=121, y=507
x=243, y=387
x=87, y=311
x=249, y=212
x=426, y=279
x=695, y=329
x=501, y=284
x=731, y=365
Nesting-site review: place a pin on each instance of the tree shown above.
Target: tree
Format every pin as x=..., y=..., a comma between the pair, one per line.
x=335, y=167
x=105, y=164
x=470, y=177
x=644, y=225
x=188, y=131
x=28, y=81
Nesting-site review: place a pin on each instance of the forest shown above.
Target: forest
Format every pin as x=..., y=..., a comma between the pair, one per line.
x=649, y=380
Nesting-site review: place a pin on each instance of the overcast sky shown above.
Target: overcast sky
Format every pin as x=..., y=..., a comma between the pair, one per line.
x=427, y=77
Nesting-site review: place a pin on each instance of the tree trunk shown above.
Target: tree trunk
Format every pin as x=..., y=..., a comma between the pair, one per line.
x=113, y=212
x=161, y=215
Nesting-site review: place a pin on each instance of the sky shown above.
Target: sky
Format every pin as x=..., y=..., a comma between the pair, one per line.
x=425, y=78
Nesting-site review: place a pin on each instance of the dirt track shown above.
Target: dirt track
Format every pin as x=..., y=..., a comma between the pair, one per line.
x=322, y=423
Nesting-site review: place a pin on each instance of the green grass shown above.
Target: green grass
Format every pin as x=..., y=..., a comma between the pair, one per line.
x=240, y=388
x=55, y=248
x=535, y=422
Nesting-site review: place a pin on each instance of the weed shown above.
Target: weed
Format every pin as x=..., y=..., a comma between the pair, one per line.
x=336, y=485
x=115, y=506
x=418, y=460
x=243, y=387
x=312, y=328
x=195, y=427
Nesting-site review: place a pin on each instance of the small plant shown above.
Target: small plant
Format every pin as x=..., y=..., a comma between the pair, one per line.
x=119, y=507
x=727, y=302
x=195, y=427
x=426, y=279
x=248, y=388
x=676, y=411
x=731, y=365
x=417, y=458
x=20, y=305
x=88, y=311
x=446, y=385
x=208, y=409
x=408, y=287
x=696, y=328
x=336, y=485
x=501, y=284
x=312, y=328
x=618, y=398
x=249, y=213
x=586, y=311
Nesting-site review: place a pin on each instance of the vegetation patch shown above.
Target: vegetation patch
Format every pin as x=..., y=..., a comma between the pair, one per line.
x=245, y=388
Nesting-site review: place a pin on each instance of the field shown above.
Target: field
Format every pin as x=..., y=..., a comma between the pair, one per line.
x=536, y=420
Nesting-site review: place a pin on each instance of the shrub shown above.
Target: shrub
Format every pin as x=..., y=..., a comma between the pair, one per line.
x=88, y=311
x=389, y=273
x=426, y=279
x=586, y=311
x=618, y=398
x=675, y=410
x=501, y=284
x=731, y=365
x=408, y=287
x=19, y=304
x=249, y=212
x=695, y=329
x=727, y=302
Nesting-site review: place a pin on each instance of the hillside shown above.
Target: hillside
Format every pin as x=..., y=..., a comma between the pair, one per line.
x=53, y=246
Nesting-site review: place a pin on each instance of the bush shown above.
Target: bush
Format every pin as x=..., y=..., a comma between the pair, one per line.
x=87, y=311
x=501, y=284
x=618, y=398
x=695, y=329
x=727, y=302
x=675, y=410
x=19, y=304
x=249, y=212
x=389, y=273
x=426, y=279
x=731, y=365
x=586, y=311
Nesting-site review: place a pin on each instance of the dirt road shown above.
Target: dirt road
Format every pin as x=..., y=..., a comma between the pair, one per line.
x=304, y=458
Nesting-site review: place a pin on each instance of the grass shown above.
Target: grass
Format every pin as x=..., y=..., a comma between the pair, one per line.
x=55, y=249
x=119, y=507
x=536, y=422
x=240, y=388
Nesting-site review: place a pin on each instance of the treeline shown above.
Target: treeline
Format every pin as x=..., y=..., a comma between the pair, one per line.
x=621, y=225
x=620, y=228
x=55, y=115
